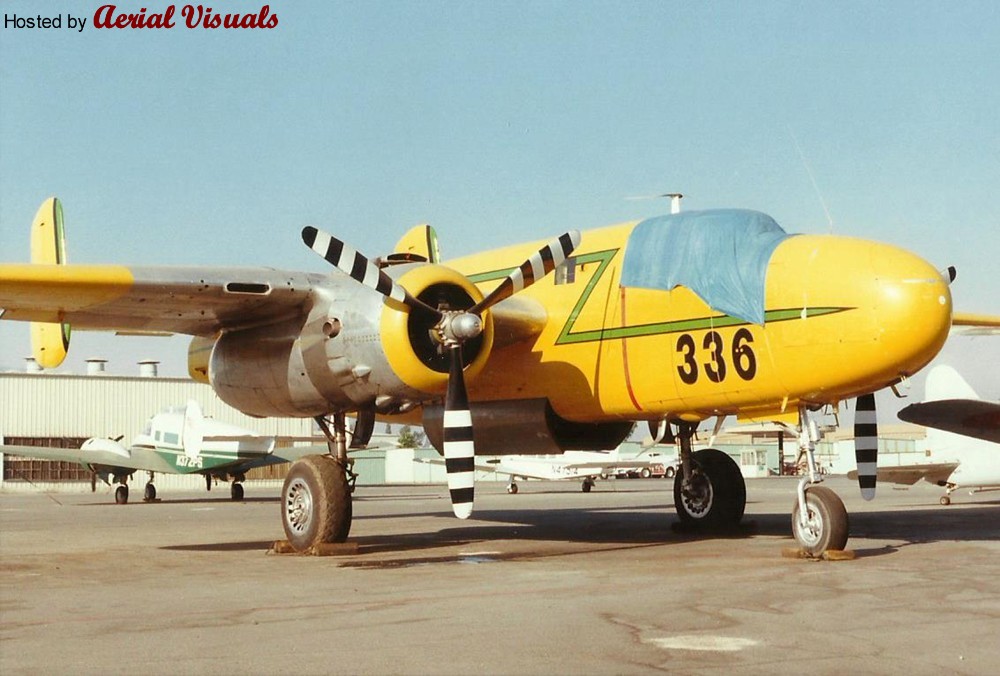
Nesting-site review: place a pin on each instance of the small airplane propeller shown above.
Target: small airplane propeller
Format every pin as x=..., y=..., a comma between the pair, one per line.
x=453, y=329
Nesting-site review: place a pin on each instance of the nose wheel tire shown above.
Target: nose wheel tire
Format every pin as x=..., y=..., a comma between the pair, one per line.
x=316, y=503
x=716, y=496
x=826, y=525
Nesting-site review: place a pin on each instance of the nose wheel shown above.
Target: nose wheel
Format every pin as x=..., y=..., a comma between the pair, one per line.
x=824, y=525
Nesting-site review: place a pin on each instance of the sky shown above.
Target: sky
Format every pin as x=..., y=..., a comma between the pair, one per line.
x=496, y=123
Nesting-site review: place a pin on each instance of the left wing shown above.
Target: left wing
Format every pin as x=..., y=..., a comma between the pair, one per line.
x=936, y=473
x=192, y=300
x=93, y=453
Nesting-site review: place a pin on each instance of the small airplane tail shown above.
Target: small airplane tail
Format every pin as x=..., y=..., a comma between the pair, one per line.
x=944, y=382
x=49, y=341
x=192, y=436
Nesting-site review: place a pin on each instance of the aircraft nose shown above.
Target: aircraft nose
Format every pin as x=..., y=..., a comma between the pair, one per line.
x=912, y=305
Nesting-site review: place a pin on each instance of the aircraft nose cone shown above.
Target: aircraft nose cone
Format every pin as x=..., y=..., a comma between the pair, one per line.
x=912, y=306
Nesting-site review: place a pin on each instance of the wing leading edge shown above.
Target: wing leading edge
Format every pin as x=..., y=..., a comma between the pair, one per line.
x=191, y=300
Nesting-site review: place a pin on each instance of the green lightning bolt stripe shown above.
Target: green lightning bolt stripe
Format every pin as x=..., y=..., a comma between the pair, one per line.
x=568, y=336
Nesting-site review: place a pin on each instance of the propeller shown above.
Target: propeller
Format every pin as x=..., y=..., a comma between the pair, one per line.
x=866, y=444
x=452, y=330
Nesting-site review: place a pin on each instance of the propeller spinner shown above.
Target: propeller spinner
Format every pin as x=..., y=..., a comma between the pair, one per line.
x=453, y=329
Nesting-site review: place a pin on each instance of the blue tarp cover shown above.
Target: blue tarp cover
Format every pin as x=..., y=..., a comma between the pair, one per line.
x=721, y=255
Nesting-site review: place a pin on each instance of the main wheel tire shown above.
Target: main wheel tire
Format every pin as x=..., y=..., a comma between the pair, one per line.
x=236, y=491
x=587, y=486
x=512, y=488
x=945, y=500
x=827, y=524
x=149, y=494
x=717, y=496
x=121, y=495
x=316, y=502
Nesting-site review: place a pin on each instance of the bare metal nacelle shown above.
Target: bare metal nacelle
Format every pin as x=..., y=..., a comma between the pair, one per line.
x=347, y=349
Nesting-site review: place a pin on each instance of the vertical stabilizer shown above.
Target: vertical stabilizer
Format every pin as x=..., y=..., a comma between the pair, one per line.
x=49, y=341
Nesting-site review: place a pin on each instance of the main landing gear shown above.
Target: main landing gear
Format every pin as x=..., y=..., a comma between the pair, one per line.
x=316, y=505
x=709, y=491
x=819, y=519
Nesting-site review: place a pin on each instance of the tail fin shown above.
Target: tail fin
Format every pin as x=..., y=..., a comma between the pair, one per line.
x=49, y=341
x=192, y=435
x=944, y=382
x=419, y=244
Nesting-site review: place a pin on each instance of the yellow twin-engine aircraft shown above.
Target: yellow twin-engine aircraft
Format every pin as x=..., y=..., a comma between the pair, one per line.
x=534, y=348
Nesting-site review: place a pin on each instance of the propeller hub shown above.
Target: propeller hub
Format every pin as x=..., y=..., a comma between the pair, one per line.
x=458, y=327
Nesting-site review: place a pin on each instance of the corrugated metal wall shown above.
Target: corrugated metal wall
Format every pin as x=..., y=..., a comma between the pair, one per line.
x=42, y=405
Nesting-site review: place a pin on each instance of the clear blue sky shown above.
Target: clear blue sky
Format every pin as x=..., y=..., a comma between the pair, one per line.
x=498, y=122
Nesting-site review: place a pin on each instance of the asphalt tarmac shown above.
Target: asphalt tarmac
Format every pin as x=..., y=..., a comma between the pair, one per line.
x=548, y=581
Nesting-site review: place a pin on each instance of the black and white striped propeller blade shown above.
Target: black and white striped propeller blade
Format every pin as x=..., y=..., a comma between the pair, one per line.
x=866, y=444
x=459, y=450
x=360, y=269
x=547, y=259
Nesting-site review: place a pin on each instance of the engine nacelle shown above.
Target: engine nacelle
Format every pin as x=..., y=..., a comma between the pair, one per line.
x=352, y=349
x=537, y=429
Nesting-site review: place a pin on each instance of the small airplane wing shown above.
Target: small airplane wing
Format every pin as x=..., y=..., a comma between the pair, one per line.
x=970, y=417
x=93, y=452
x=933, y=472
x=192, y=300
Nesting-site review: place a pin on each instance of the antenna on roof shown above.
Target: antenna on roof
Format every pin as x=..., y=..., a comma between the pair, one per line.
x=829, y=218
x=675, y=200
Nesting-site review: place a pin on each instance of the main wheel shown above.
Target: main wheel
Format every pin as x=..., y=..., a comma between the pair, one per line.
x=587, y=485
x=149, y=494
x=717, y=494
x=826, y=525
x=945, y=500
x=512, y=488
x=236, y=491
x=121, y=494
x=316, y=502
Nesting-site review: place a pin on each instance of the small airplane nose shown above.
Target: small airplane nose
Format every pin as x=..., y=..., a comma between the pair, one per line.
x=912, y=306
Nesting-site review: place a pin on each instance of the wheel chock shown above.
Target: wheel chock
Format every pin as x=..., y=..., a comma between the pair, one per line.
x=323, y=549
x=828, y=555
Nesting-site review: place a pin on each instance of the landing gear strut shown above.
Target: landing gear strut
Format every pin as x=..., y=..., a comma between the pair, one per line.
x=709, y=491
x=316, y=505
x=819, y=520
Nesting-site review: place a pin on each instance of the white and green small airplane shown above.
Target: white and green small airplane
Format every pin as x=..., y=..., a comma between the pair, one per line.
x=175, y=441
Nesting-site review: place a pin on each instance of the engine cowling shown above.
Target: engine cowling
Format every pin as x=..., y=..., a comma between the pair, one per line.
x=410, y=349
x=352, y=349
